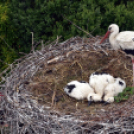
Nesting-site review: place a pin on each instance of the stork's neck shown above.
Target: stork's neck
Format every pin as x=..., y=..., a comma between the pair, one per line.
x=112, y=40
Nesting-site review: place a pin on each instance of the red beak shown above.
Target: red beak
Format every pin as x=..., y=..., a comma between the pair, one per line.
x=106, y=35
x=133, y=61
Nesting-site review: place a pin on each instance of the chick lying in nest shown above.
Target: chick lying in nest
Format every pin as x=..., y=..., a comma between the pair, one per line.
x=101, y=87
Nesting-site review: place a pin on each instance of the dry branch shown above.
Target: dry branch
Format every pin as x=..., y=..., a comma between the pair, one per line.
x=78, y=27
x=23, y=114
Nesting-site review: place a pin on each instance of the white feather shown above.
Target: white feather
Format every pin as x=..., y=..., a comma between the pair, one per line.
x=80, y=91
x=98, y=82
x=123, y=40
x=114, y=89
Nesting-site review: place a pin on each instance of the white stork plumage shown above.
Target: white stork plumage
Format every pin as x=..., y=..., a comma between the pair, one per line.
x=123, y=40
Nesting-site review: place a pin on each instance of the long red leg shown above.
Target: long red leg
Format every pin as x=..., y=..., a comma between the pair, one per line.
x=133, y=72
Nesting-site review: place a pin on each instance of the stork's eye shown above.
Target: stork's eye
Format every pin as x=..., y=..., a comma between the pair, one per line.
x=121, y=83
x=109, y=29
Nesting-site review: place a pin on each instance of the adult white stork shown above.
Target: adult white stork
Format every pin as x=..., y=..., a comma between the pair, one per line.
x=123, y=40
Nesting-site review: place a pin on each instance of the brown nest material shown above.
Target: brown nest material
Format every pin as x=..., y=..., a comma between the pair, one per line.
x=34, y=100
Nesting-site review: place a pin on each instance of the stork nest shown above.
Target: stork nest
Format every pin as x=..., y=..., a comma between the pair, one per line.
x=34, y=100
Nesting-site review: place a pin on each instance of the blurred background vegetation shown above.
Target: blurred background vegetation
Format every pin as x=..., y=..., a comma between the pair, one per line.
x=45, y=18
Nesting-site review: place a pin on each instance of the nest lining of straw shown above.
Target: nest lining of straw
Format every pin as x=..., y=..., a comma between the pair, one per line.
x=34, y=101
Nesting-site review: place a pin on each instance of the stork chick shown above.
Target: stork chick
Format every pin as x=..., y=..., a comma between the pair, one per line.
x=79, y=90
x=114, y=89
x=99, y=82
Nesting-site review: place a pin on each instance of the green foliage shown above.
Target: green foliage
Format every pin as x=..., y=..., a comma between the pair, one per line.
x=119, y=12
x=7, y=52
x=45, y=19
x=128, y=91
x=18, y=18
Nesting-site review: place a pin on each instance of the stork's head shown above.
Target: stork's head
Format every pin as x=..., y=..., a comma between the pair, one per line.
x=112, y=28
x=120, y=82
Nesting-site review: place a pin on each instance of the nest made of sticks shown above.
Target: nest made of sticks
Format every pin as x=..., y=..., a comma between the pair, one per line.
x=34, y=101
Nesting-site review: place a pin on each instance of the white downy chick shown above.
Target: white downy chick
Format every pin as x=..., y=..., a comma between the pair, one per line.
x=78, y=90
x=99, y=81
x=114, y=89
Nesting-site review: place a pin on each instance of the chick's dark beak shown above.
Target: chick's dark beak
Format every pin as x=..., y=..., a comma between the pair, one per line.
x=89, y=103
x=106, y=103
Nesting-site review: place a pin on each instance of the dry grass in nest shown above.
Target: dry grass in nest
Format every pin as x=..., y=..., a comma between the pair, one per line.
x=41, y=76
x=48, y=83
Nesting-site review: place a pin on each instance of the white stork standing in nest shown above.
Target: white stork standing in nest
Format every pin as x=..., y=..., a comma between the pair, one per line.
x=123, y=40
